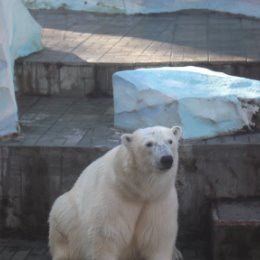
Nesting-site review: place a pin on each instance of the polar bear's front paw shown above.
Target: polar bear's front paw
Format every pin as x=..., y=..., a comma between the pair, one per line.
x=177, y=255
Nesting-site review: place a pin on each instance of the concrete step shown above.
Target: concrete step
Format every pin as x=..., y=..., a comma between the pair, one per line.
x=61, y=136
x=82, y=50
x=236, y=229
x=14, y=249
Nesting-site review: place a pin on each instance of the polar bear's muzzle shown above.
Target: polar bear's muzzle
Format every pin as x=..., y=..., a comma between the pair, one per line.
x=164, y=157
x=166, y=162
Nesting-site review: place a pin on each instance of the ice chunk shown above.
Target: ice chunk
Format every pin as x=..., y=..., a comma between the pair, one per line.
x=20, y=35
x=205, y=103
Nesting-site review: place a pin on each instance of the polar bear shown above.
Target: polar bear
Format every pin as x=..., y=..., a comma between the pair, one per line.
x=124, y=205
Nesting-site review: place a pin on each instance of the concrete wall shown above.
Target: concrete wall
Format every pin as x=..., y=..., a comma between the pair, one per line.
x=32, y=177
x=96, y=79
x=209, y=172
x=246, y=7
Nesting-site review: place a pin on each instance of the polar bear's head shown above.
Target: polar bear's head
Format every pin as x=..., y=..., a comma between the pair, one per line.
x=153, y=148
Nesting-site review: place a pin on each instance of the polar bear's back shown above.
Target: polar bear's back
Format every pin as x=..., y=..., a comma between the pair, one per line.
x=93, y=179
x=97, y=169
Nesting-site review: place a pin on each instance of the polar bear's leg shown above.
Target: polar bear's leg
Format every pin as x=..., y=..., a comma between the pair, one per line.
x=157, y=233
x=102, y=248
x=163, y=252
x=60, y=218
x=58, y=245
x=177, y=255
x=105, y=252
x=107, y=256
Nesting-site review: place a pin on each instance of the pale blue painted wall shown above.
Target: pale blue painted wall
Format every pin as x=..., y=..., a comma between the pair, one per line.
x=246, y=7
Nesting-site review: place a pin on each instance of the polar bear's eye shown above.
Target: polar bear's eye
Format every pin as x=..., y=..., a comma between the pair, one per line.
x=170, y=141
x=149, y=144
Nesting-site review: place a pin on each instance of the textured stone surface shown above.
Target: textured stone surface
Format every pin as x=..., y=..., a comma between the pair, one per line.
x=236, y=229
x=56, y=79
x=62, y=121
x=14, y=249
x=212, y=103
x=51, y=152
x=82, y=122
x=30, y=184
x=92, y=47
x=19, y=36
x=39, y=174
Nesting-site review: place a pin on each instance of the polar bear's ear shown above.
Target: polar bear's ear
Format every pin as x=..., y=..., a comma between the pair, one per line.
x=177, y=131
x=126, y=139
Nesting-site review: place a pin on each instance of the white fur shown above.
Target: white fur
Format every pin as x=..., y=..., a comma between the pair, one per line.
x=122, y=207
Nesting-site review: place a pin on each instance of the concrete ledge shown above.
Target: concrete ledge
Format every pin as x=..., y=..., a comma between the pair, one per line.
x=83, y=50
x=13, y=249
x=32, y=177
x=36, y=78
x=236, y=229
x=86, y=79
x=61, y=136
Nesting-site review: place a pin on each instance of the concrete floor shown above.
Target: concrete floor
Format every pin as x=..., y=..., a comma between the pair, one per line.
x=191, y=36
x=83, y=50
x=81, y=122
x=80, y=38
x=31, y=250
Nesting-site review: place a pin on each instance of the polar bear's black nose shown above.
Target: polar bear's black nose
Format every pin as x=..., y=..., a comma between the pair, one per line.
x=167, y=161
